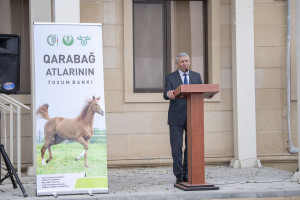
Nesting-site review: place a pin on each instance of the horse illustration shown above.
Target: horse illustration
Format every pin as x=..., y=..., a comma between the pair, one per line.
x=80, y=128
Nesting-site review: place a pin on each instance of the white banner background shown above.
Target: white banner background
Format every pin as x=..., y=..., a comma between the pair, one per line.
x=66, y=92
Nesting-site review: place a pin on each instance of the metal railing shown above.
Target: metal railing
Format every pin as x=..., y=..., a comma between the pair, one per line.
x=14, y=107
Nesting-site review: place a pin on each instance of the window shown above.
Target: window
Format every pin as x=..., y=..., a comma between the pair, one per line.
x=161, y=30
x=149, y=46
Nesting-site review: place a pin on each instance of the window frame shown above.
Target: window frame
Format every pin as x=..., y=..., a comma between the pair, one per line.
x=164, y=14
x=213, y=54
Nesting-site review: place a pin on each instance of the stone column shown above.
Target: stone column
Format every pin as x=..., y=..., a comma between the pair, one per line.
x=243, y=84
x=66, y=11
x=39, y=11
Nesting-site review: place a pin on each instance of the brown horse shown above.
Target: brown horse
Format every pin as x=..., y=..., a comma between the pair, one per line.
x=80, y=128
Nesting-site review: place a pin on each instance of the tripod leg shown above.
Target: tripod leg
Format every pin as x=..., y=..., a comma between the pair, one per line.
x=12, y=171
x=0, y=152
x=8, y=167
x=19, y=182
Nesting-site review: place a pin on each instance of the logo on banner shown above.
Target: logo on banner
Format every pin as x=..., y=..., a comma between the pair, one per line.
x=68, y=40
x=83, y=40
x=52, y=39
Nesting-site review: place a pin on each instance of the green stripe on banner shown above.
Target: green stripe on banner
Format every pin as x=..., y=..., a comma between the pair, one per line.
x=91, y=183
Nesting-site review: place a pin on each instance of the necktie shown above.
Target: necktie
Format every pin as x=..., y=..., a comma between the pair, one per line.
x=185, y=81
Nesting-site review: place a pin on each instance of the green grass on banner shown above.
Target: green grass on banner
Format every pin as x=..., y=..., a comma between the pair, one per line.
x=64, y=155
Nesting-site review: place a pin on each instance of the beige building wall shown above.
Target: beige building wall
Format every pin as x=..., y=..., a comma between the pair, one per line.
x=137, y=133
x=270, y=21
x=13, y=15
x=137, y=130
x=270, y=61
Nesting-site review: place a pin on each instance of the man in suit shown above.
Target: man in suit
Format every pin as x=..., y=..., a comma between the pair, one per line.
x=177, y=114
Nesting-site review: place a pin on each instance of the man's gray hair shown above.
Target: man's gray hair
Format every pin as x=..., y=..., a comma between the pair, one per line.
x=182, y=55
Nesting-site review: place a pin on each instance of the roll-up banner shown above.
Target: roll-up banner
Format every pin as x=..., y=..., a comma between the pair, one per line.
x=69, y=104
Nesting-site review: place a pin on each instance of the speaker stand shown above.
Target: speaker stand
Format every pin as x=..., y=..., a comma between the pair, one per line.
x=11, y=173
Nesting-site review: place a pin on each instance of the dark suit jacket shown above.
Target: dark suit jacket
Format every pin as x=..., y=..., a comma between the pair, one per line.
x=177, y=109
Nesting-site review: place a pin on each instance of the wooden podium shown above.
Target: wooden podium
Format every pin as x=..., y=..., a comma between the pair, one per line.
x=195, y=94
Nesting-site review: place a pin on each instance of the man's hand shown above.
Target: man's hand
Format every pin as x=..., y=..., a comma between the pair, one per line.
x=170, y=94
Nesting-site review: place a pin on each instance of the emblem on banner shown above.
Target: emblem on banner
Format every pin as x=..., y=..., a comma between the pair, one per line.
x=83, y=40
x=52, y=39
x=68, y=40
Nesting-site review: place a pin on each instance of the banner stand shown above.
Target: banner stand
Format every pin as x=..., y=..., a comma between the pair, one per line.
x=70, y=127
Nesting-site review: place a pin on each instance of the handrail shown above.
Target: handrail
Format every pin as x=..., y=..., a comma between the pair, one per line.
x=6, y=107
x=11, y=110
x=13, y=101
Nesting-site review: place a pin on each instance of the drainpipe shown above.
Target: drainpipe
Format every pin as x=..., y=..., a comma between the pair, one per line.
x=296, y=176
x=298, y=72
x=292, y=149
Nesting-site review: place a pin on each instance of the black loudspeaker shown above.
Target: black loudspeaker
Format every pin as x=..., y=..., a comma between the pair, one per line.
x=9, y=63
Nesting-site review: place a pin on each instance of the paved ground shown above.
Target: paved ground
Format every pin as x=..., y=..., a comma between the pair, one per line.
x=158, y=183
